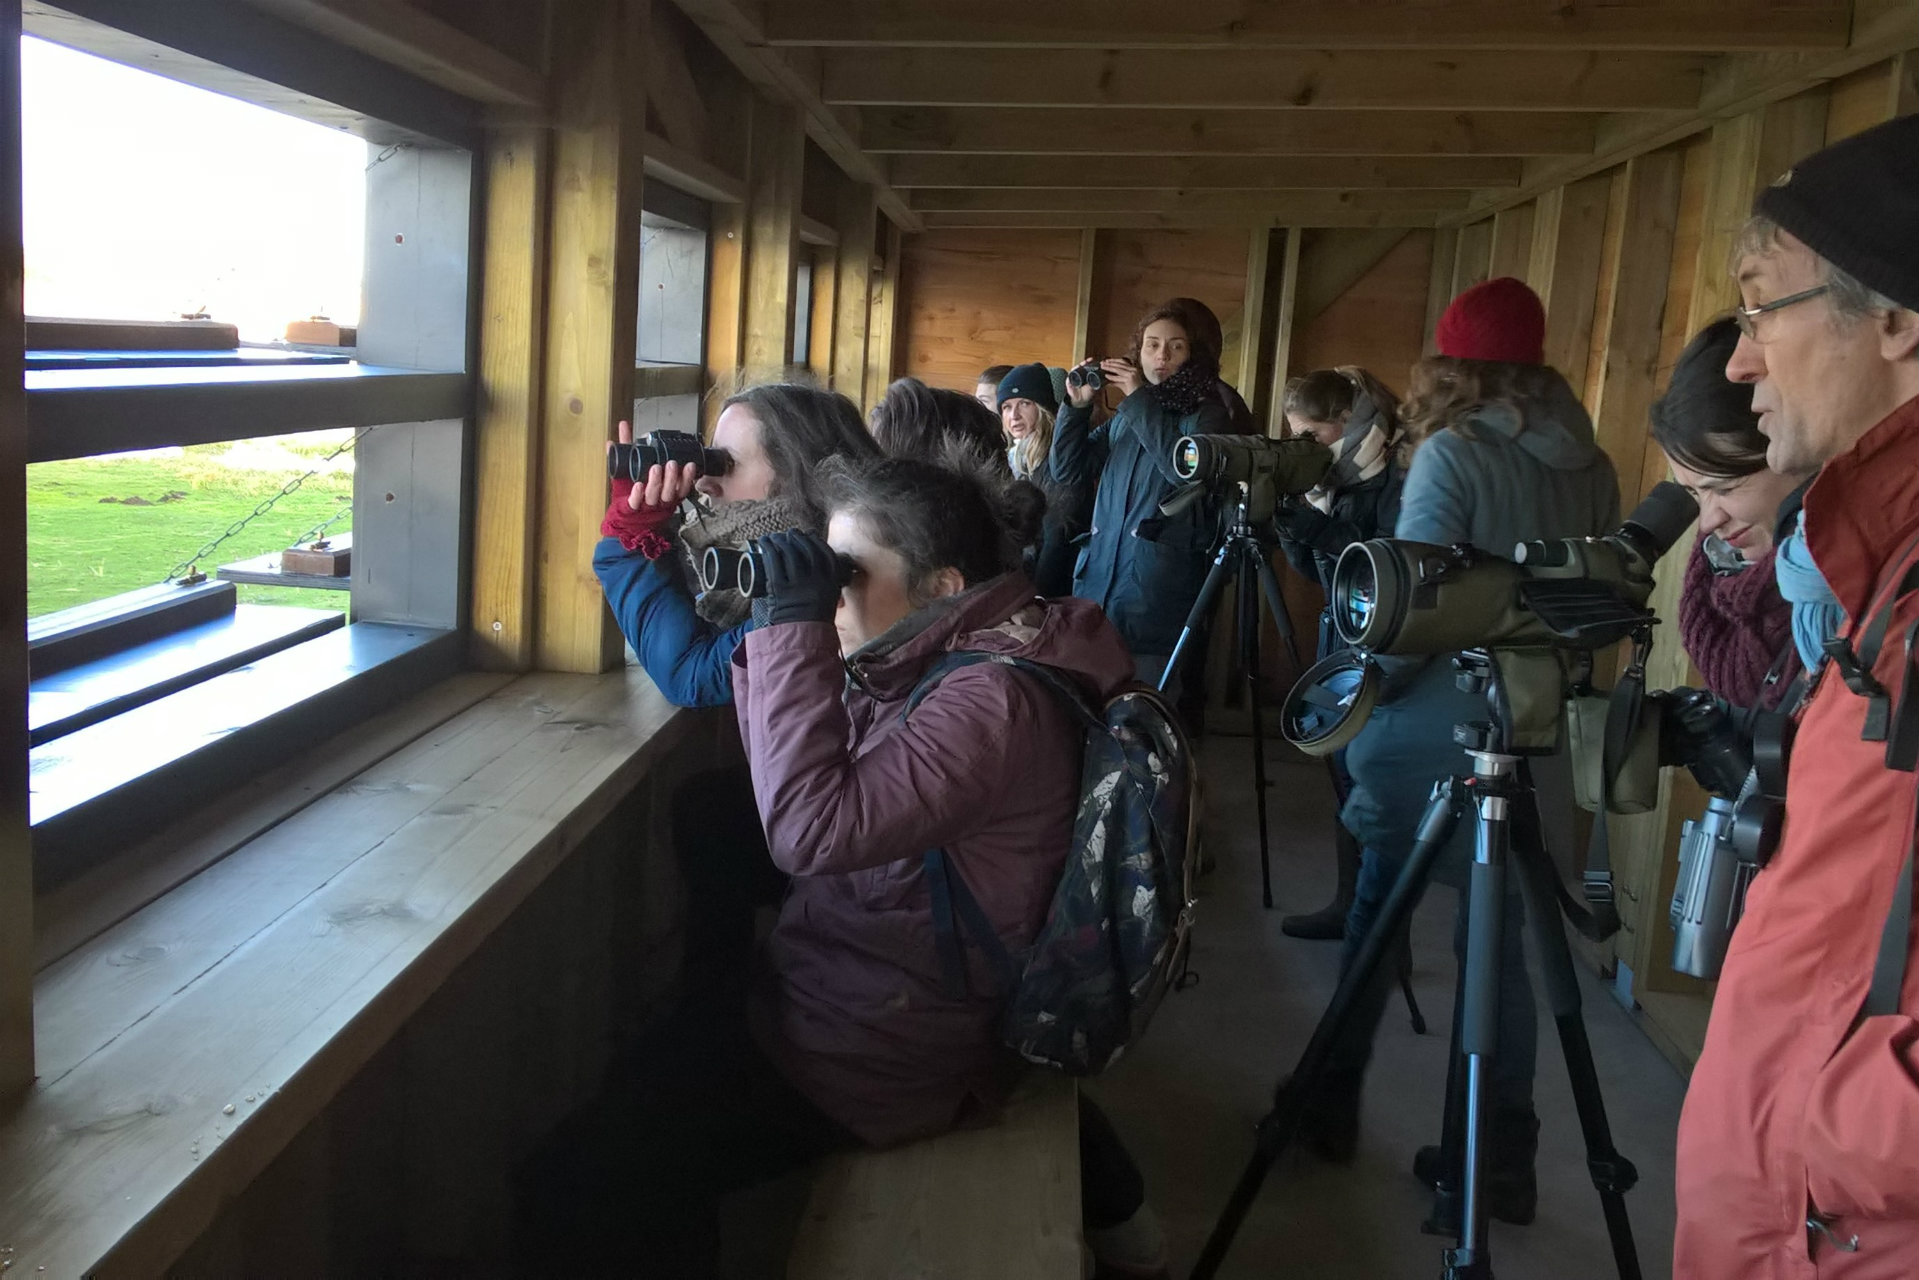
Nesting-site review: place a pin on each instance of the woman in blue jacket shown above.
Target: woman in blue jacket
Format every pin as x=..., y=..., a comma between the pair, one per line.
x=778, y=435
x=1144, y=568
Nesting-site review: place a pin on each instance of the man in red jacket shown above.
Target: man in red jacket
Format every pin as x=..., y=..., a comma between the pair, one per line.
x=1799, y=1146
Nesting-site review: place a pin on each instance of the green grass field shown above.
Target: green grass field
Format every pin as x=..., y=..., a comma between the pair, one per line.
x=81, y=547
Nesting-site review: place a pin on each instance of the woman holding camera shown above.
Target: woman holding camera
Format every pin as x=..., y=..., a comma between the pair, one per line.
x=777, y=436
x=1736, y=626
x=1503, y=452
x=1144, y=568
x=1352, y=413
x=854, y=1037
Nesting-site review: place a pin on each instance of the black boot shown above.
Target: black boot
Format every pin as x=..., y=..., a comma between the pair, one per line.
x=1511, y=1186
x=1330, y=1127
x=1329, y=923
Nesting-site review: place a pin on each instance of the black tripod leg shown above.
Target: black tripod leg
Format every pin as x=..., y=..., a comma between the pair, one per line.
x=1276, y=605
x=1280, y=1125
x=1196, y=617
x=1613, y=1175
x=1406, y=989
x=1255, y=695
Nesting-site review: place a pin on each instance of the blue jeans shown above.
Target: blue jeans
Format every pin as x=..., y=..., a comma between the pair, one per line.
x=1511, y=1078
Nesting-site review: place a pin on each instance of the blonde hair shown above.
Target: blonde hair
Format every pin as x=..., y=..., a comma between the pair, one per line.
x=1029, y=455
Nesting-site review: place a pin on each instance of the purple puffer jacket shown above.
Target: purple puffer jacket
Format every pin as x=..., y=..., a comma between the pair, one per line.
x=852, y=796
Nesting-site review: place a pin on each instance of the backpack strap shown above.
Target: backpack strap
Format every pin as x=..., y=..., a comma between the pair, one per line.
x=1063, y=687
x=1889, y=971
x=953, y=906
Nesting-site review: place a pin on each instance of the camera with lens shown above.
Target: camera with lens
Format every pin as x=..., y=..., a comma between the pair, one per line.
x=1267, y=468
x=656, y=448
x=1086, y=375
x=743, y=569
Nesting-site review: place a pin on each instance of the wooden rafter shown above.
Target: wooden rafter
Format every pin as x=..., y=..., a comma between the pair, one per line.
x=1271, y=78
x=1152, y=220
x=1722, y=25
x=1239, y=173
x=1296, y=207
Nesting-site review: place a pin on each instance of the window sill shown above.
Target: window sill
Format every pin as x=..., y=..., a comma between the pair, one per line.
x=183, y=1048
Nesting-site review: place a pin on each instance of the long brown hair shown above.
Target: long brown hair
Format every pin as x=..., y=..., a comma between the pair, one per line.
x=1446, y=392
x=1201, y=326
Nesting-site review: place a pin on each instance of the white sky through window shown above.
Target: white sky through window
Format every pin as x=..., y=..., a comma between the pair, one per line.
x=146, y=199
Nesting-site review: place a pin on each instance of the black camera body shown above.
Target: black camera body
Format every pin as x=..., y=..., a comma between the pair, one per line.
x=657, y=448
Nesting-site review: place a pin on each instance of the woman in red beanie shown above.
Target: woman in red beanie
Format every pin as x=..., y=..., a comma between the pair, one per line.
x=1501, y=452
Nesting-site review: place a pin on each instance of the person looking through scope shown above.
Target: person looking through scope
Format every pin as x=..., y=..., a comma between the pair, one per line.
x=1798, y=1147
x=1354, y=414
x=1502, y=453
x=855, y=1038
x=1143, y=568
x=1735, y=625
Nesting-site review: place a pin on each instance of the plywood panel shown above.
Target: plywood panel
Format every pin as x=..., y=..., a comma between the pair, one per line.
x=1379, y=323
x=972, y=299
x=1140, y=269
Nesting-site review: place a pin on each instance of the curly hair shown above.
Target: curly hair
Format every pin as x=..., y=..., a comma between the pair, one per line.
x=1446, y=392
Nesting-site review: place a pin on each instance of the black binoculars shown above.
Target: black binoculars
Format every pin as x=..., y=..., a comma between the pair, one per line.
x=656, y=448
x=743, y=569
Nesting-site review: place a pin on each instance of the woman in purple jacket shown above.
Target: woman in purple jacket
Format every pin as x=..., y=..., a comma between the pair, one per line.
x=851, y=1037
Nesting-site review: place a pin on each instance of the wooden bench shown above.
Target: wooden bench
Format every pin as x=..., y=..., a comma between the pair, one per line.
x=999, y=1203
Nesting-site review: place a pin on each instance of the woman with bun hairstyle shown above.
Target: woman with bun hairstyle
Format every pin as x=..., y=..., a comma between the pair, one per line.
x=1142, y=567
x=854, y=1038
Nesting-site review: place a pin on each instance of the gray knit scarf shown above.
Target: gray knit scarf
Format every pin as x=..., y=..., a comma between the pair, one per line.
x=733, y=525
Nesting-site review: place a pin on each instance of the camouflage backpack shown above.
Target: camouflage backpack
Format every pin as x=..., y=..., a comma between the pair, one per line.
x=1117, y=930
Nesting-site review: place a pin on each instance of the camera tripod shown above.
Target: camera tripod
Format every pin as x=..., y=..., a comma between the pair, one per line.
x=1243, y=556
x=1499, y=792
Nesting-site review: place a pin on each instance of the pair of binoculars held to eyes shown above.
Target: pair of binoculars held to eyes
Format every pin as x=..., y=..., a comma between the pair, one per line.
x=743, y=569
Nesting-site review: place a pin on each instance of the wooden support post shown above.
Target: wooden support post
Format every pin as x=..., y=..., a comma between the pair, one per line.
x=1083, y=302
x=1251, y=337
x=507, y=416
x=1512, y=245
x=16, y=843
x=593, y=286
x=1904, y=89
x=1568, y=237
x=819, y=324
x=853, y=296
x=881, y=325
x=1283, y=317
x=1439, y=286
x=776, y=161
x=725, y=307
x=1475, y=257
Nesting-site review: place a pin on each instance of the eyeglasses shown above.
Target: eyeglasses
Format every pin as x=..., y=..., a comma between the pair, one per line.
x=1747, y=317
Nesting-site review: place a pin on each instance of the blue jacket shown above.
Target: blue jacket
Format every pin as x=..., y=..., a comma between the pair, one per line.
x=1142, y=568
x=1532, y=473
x=688, y=657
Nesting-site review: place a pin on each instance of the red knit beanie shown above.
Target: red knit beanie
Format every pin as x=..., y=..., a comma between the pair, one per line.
x=1501, y=320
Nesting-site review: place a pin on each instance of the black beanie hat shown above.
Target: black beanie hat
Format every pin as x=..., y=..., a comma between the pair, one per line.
x=1030, y=382
x=1856, y=204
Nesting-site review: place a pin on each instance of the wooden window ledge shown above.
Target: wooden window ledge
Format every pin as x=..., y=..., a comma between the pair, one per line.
x=182, y=1048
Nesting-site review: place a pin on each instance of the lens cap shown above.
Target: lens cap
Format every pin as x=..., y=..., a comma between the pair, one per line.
x=1331, y=703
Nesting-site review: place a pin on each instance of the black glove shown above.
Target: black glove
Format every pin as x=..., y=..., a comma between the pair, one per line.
x=802, y=577
x=1303, y=523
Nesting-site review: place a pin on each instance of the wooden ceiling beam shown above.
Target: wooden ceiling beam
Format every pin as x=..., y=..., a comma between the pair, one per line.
x=1734, y=87
x=415, y=40
x=1242, y=173
x=1105, y=131
x=1268, y=78
x=1623, y=25
x=793, y=76
x=1204, y=220
x=1302, y=208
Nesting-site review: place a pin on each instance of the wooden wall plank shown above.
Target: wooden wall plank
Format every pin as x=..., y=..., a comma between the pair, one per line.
x=1439, y=281
x=825, y=308
x=725, y=307
x=1083, y=297
x=1512, y=245
x=1378, y=323
x=973, y=299
x=1475, y=258
x=507, y=416
x=1245, y=374
x=1284, y=317
x=858, y=211
x=1140, y=269
x=1567, y=245
x=593, y=275
x=16, y=844
x=882, y=326
x=775, y=172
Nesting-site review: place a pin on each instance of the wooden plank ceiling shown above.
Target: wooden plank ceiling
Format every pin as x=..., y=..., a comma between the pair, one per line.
x=1097, y=113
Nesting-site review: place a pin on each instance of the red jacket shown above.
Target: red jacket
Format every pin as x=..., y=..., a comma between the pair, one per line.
x=852, y=796
x=1793, y=1111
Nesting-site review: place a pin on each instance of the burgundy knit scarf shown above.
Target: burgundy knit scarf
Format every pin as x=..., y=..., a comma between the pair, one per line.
x=1734, y=628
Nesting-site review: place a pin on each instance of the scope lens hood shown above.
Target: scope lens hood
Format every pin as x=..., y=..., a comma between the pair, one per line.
x=1331, y=703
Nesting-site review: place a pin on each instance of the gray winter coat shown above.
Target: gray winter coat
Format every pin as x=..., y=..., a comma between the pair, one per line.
x=1524, y=473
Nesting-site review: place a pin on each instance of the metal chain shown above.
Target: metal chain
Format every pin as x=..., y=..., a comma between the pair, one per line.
x=188, y=572
x=313, y=534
